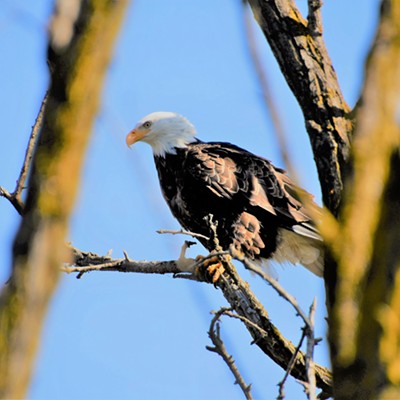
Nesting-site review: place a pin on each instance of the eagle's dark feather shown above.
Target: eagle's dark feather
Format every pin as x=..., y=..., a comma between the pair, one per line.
x=256, y=205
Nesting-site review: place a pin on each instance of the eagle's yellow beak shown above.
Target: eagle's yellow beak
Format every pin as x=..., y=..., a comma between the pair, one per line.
x=135, y=135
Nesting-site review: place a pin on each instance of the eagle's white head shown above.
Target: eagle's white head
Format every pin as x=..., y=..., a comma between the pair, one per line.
x=163, y=131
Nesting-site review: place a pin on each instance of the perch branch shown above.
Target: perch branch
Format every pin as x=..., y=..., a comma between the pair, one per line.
x=241, y=299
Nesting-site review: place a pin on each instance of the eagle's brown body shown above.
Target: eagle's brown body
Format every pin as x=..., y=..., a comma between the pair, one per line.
x=255, y=204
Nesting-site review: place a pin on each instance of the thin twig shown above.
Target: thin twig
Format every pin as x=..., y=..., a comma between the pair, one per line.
x=219, y=348
x=31, y=145
x=310, y=370
x=270, y=106
x=281, y=384
x=182, y=232
x=247, y=321
x=15, y=197
x=314, y=17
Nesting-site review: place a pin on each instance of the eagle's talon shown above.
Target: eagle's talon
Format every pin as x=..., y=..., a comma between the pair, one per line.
x=211, y=269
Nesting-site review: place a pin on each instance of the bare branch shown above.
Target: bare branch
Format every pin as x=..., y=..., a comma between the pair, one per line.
x=182, y=232
x=29, y=150
x=87, y=262
x=281, y=384
x=220, y=349
x=311, y=387
x=241, y=299
x=15, y=197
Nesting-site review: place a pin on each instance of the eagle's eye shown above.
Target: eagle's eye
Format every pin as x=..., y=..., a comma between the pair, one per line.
x=147, y=125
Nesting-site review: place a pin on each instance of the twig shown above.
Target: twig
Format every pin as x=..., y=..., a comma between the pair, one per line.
x=281, y=384
x=310, y=370
x=270, y=106
x=247, y=321
x=182, y=232
x=314, y=17
x=15, y=197
x=219, y=348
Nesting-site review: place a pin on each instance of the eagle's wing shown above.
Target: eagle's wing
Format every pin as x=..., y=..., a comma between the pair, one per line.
x=232, y=173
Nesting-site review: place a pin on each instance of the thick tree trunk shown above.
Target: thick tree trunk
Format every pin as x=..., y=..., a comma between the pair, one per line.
x=365, y=308
x=80, y=45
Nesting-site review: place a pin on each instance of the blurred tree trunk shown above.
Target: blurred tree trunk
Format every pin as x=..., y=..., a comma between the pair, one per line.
x=362, y=187
x=81, y=37
x=364, y=295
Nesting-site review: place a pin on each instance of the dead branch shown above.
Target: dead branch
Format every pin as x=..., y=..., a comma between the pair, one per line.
x=219, y=348
x=311, y=387
x=240, y=297
x=281, y=384
x=15, y=197
x=182, y=232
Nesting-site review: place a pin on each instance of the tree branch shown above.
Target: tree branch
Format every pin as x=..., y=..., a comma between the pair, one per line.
x=239, y=296
x=182, y=232
x=310, y=352
x=15, y=197
x=219, y=348
x=281, y=384
x=304, y=61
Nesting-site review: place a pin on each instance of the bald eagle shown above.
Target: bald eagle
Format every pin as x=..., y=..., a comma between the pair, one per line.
x=256, y=205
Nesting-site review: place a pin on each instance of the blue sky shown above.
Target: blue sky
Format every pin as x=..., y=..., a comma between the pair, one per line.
x=124, y=336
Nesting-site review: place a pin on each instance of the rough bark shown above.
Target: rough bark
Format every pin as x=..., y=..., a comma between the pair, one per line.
x=79, y=51
x=299, y=48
